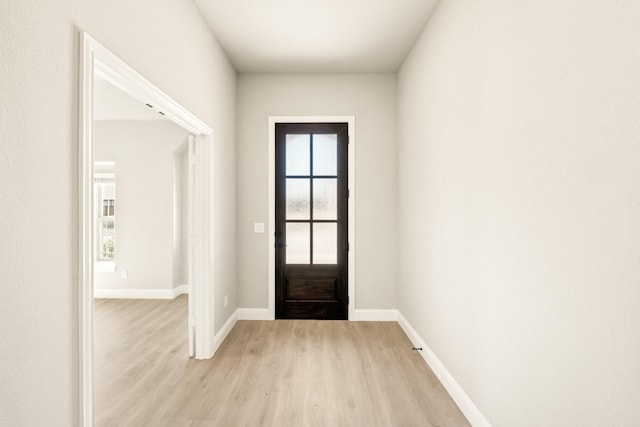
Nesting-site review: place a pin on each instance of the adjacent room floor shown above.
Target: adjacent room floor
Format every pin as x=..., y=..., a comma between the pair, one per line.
x=278, y=373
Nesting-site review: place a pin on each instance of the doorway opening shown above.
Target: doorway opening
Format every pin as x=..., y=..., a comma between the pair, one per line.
x=97, y=62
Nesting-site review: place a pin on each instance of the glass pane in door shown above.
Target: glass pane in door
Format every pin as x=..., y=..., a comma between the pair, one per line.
x=298, y=195
x=298, y=156
x=325, y=154
x=325, y=243
x=325, y=198
x=298, y=243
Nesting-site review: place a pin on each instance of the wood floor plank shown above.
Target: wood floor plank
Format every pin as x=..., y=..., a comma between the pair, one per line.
x=267, y=373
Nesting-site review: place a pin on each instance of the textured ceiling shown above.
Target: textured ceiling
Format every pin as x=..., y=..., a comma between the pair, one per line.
x=316, y=35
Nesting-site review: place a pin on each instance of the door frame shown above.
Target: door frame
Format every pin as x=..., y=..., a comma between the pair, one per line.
x=271, y=182
x=96, y=60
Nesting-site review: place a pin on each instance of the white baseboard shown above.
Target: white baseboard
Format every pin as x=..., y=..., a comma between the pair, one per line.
x=181, y=290
x=141, y=293
x=360, y=315
x=219, y=338
x=464, y=402
x=374, y=315
x=253, y=314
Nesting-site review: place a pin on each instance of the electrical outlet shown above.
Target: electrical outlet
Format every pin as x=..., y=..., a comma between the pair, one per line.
x=124, y=274
x=226, y=301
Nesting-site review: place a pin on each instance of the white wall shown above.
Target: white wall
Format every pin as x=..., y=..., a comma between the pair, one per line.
x=371, y=98
x=518, y=203
x=169, y=44
x=181, y=211
x=143, y=152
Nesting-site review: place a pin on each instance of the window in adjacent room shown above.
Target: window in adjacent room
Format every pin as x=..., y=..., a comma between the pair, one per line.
x=105, y=212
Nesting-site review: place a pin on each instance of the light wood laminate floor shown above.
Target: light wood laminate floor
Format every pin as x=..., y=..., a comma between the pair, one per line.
x=279, y=373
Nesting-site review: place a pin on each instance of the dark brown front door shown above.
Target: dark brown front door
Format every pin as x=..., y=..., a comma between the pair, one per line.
x=311, y=220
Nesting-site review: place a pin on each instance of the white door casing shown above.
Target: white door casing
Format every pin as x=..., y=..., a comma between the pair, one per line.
x=97, y=60
x=191, y=162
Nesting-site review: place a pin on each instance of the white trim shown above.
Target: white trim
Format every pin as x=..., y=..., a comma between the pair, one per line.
x=85, y=244
x=117, y=72
x=224, y=331
x=141, y=293
x=375, y=315
x=351, y=121
x=188, y=218
x=253, y=314
x=464, y=402
x=97, y=60
x=180, y=290
x=202, y=238
x=360, y=315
